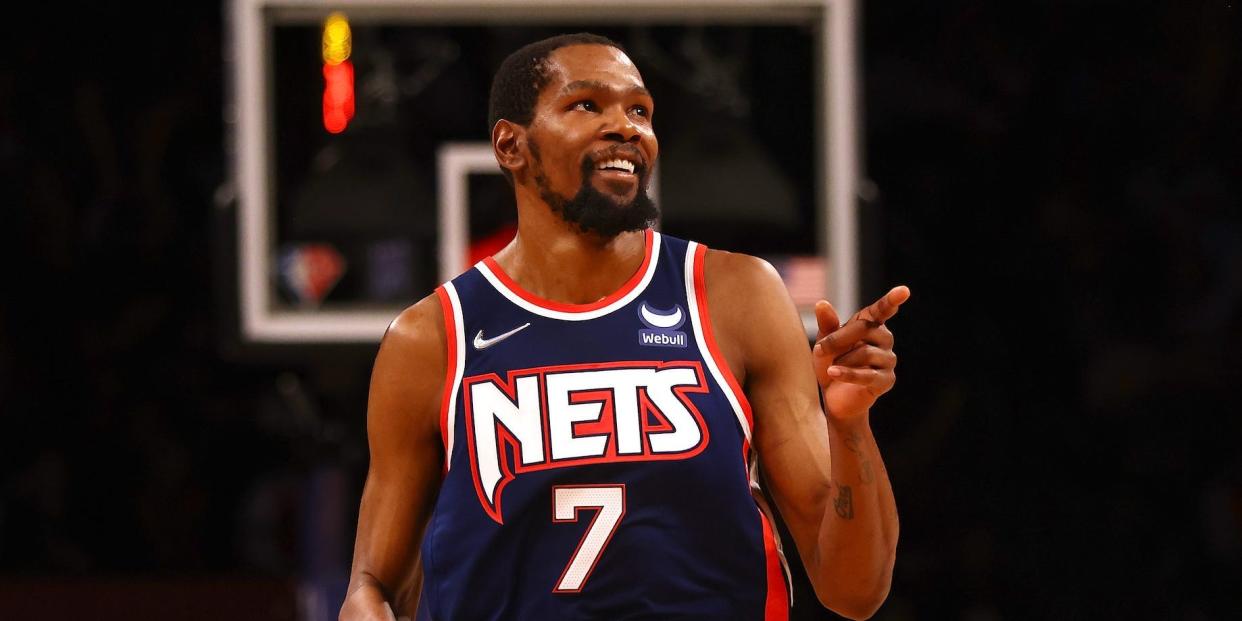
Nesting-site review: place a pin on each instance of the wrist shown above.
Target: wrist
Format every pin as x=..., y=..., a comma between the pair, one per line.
x=851, y=422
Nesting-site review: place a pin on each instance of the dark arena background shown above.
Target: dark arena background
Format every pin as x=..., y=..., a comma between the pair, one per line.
x=1059, y=183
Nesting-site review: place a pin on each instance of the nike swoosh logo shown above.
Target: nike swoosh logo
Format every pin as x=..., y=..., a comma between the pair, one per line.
x=482, y=343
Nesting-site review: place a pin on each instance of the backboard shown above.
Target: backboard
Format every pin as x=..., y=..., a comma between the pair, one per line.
x=338, y=231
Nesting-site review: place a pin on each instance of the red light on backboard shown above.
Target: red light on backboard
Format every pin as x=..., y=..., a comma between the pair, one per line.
x=338, y=96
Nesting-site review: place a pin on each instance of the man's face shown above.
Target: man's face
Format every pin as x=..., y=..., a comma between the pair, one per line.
x=591, y=140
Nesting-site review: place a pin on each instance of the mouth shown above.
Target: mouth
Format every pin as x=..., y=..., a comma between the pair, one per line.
x=619, y=164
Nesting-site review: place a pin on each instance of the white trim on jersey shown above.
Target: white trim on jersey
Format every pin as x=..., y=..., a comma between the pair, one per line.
x=459, y=368
x=584, y=315
x=704, y=350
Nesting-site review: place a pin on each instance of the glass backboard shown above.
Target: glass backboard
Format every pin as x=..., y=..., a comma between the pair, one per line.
x=338, y=230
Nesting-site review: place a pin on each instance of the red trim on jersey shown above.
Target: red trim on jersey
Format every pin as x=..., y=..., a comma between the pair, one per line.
x=776, y=607
x=450, y=368
x=629, y=285
x=700, y=294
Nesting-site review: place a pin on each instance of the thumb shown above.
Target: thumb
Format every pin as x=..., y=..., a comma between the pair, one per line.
x=826, y=317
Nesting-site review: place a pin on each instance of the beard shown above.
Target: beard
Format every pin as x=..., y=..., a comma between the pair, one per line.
x=592, y=211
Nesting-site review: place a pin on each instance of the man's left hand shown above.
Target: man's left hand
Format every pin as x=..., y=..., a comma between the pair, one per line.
x=854, y=362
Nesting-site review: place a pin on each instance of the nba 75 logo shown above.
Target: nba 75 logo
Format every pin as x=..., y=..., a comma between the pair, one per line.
x=570, y=415
x=662, y=326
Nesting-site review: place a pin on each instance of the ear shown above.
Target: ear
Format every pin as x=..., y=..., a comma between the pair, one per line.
x=509, y=144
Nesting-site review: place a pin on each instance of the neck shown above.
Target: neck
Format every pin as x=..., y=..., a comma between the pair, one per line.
x=554, y=260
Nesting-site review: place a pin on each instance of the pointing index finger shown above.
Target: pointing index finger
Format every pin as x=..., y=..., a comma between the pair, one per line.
x=844, y=338
x=884, y=308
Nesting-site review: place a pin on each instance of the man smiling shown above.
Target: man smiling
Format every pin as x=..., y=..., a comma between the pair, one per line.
x=572, y=429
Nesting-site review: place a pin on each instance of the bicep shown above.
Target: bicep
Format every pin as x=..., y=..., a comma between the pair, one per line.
x=791, y=433
x=406, y=457
x=791, y=438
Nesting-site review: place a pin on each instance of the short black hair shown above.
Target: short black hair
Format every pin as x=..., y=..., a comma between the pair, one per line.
x=516, y=85
x=524, y=73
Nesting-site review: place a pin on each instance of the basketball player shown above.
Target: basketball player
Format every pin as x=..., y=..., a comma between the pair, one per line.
x=569, y=430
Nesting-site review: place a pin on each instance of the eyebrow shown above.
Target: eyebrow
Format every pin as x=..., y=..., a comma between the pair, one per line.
x=597, y=85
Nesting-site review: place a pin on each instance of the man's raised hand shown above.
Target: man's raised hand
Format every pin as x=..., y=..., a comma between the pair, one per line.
x=854, y=361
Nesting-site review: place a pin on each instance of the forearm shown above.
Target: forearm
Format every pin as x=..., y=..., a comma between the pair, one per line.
x=386, y=574
x=857, y=538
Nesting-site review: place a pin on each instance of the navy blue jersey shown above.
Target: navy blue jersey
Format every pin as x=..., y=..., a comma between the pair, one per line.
x=597, y=457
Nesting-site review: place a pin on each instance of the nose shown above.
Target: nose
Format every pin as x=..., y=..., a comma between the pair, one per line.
x=618, y=127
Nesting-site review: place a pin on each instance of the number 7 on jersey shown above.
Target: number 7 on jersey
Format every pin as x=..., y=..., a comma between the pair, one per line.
x=567, y=501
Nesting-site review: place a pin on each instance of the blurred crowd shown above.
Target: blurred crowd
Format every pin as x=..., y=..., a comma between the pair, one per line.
x=1058, y=184
x=136, y=440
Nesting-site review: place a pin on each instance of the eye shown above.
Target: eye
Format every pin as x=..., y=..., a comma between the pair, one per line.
x=585, y=105
x=641, y=111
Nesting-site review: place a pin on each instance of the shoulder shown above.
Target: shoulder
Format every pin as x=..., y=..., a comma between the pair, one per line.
x=408, y=375
x=749, y=307
x=404, y=401
x=743, y=285
x=418, y=330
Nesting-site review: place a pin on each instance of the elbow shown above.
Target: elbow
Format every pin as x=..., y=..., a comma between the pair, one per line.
x=348, y=611
x=364, y=600
x=857, y=607
x=858, y=598
x=354, y=607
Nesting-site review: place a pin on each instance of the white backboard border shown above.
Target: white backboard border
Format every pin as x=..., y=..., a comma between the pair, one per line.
x=249, y=114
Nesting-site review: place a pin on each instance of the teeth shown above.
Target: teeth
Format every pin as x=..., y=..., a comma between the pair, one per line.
x=625, y=165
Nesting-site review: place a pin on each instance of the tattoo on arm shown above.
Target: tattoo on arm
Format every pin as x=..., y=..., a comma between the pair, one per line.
x=844, y=502
x=854, y=443
x=867, y=473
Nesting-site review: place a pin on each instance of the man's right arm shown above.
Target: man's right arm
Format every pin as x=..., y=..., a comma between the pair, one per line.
x=407, y=457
